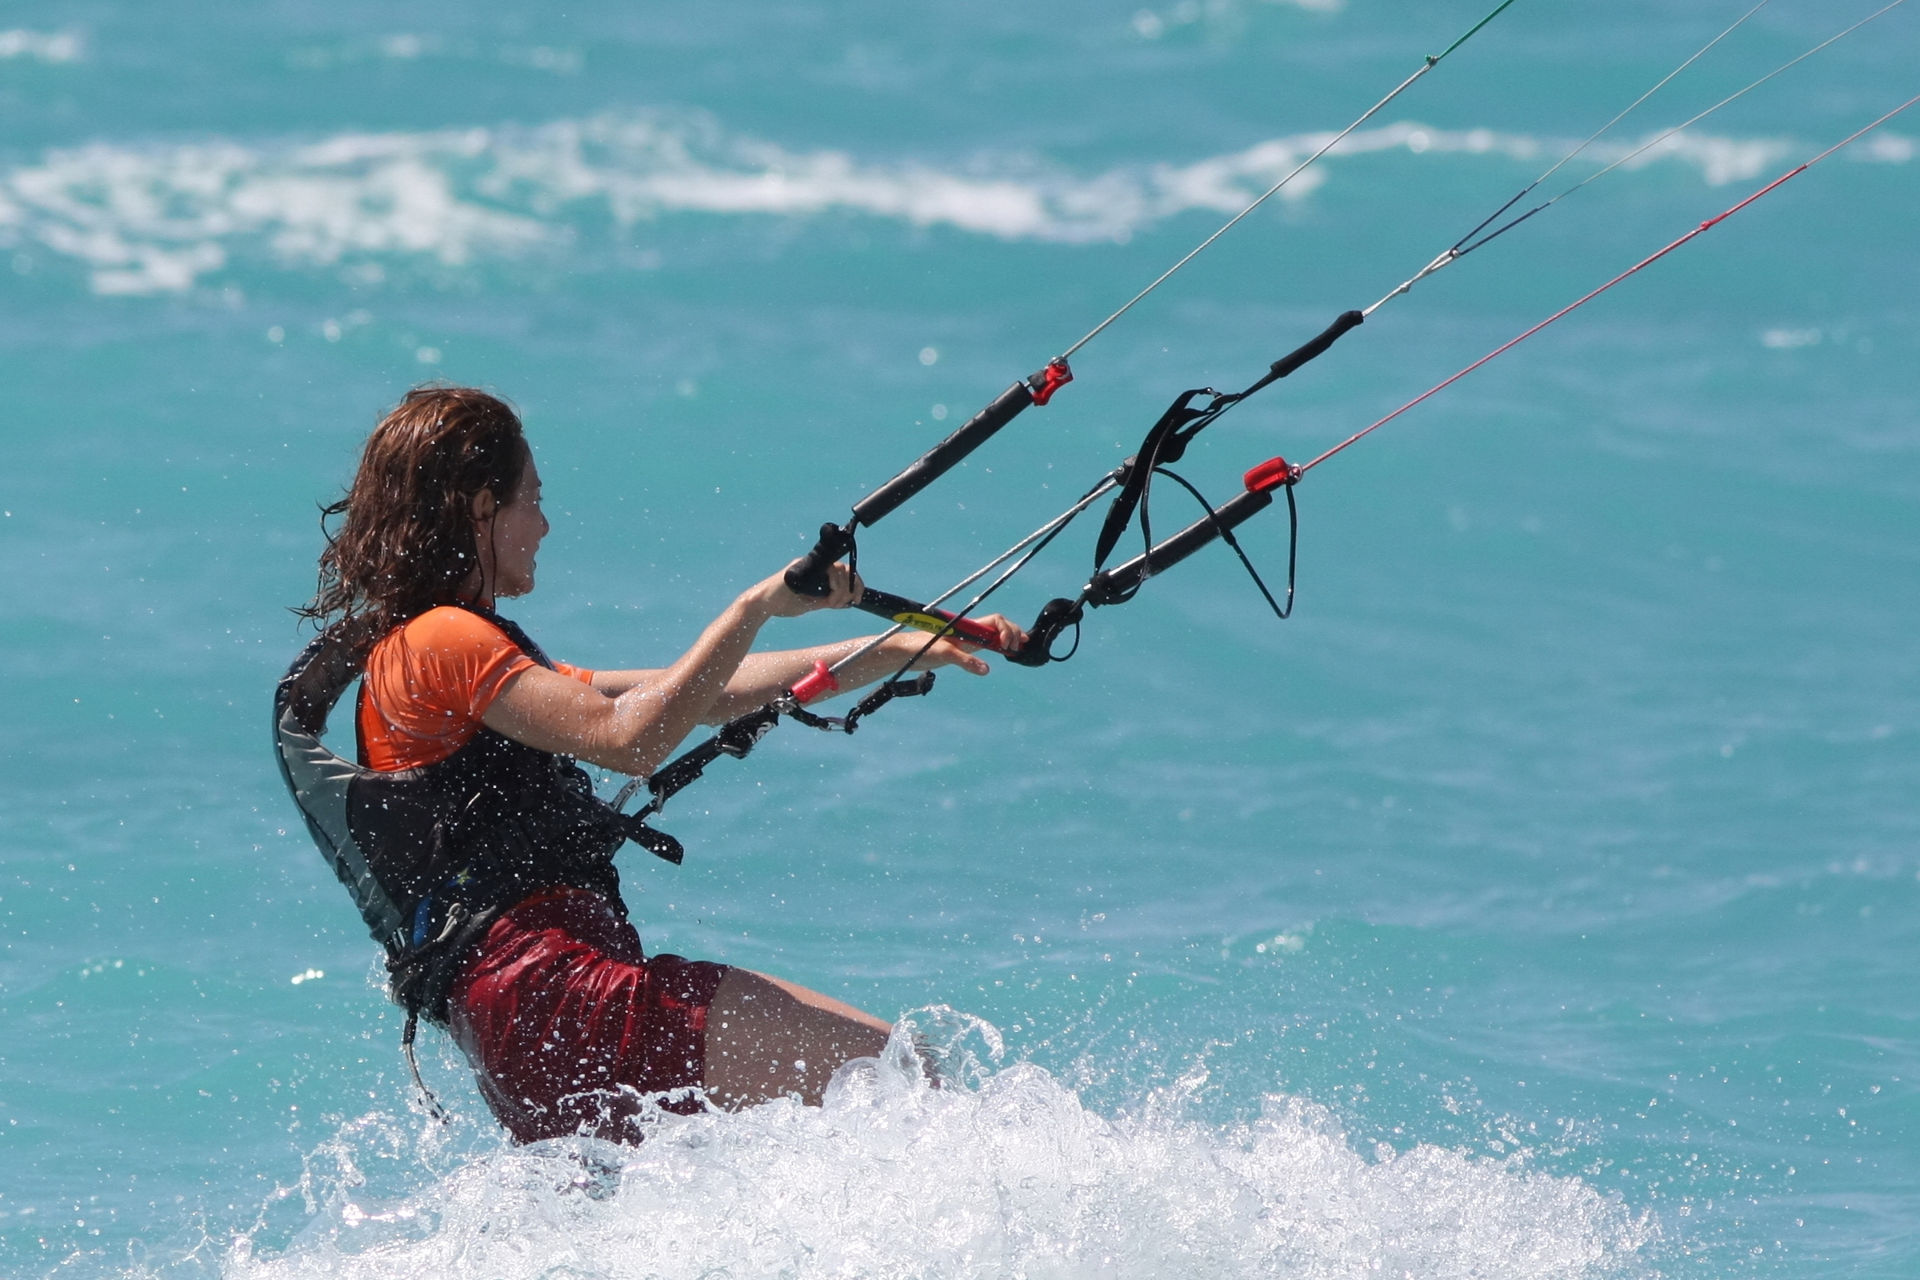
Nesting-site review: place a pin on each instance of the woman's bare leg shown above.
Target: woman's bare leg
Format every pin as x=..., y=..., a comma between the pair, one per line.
x=767, y=1039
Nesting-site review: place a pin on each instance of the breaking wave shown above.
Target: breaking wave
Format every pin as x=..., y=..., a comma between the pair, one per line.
x=1002, y=1172
x=160, y=219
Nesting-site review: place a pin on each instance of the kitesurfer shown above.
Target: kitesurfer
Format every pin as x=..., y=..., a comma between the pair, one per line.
x=475, y=847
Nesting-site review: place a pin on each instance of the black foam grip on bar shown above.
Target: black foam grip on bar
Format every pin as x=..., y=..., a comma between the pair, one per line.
x=1293, y=360
x=807, y=576
x=944, y=456
x=885, y=604
x=1111, y=586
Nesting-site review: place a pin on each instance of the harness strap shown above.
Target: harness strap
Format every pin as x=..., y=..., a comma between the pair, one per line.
x=419, y=978
x=434, y=1108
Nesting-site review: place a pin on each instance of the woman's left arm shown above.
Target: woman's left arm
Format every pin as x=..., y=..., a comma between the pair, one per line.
x=761, y=677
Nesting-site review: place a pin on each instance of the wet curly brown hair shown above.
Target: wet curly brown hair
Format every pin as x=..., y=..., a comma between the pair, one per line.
x=406, y=538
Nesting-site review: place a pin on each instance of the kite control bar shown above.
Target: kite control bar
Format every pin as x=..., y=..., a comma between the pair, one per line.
x=1107, y=586
x=1165, y=443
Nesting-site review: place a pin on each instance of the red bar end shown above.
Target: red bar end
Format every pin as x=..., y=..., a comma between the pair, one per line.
x=1270, y=474
x=1043, y=384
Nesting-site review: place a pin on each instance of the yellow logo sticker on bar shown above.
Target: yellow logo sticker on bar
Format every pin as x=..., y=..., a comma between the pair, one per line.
x=922, y=622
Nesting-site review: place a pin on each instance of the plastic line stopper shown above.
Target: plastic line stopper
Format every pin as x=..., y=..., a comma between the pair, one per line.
x=814, y=685
x=1270, y=474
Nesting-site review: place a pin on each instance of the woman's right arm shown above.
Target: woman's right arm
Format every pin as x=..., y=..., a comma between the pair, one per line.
x=634, y=732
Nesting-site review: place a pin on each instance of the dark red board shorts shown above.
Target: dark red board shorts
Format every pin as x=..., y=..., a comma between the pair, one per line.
x=566, y=1020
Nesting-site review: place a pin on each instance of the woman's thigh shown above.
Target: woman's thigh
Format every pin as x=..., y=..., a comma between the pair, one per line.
x=767, y=1038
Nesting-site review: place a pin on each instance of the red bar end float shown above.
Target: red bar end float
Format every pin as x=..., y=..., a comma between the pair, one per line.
x=1043, y=384
x=1270, y=474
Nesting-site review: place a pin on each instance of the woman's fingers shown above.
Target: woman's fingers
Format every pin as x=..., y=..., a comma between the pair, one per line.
x=970, y=663
x=958, y=651
x=926, y=654
x=847, y=587
x=946, y=652
x=1012, y=636
x=1008, y=636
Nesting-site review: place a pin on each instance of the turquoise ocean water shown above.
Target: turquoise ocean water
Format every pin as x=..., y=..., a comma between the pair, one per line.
x=1539, y=901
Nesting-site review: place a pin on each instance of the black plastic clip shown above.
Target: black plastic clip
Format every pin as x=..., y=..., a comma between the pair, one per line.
x=919, y=686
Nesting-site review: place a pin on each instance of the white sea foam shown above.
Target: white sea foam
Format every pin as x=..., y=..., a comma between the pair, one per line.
x=1887, y=148
x=1151, y=24
x=158, y=219
x=45, y=46
x=1004, y=1174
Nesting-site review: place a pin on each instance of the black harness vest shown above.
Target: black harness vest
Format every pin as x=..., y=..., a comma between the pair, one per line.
x=433, y=855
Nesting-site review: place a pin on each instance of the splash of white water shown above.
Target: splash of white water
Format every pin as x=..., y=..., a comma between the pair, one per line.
x=1001, y=1172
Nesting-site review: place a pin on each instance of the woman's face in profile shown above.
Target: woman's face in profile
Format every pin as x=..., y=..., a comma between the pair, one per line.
x=518, y=527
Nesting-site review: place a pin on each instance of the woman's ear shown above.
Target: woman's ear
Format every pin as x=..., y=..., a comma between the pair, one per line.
x=483, y=506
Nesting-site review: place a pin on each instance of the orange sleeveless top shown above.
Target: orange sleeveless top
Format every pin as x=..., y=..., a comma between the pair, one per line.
x=429, y=682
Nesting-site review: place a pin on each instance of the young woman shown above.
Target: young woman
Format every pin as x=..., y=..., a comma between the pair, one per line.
x=473, y=844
